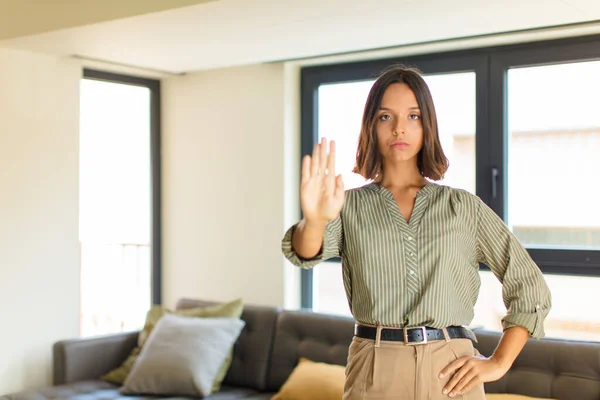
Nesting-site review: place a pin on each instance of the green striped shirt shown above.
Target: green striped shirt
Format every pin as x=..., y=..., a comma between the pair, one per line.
x=425, y=272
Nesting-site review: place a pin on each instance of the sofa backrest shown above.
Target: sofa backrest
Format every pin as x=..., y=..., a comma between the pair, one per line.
x=252, y=349
x=318, y=337
x=548, y=368
x=273, y=341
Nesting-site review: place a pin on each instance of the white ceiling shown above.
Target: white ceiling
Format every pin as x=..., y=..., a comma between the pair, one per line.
x=28, y=17
x=227, y=33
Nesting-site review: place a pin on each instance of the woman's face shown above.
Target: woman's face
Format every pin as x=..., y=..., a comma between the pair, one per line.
x=399, y=127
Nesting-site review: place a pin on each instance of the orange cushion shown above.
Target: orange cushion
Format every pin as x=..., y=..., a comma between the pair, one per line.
x=313, y=381
x=509, y=396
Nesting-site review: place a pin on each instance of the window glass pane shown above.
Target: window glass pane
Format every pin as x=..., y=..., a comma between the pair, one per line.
x=340, y=112
x=554, y=137
x=454, y=99
x=329, y=296
x=115, y=206
x=570, y=318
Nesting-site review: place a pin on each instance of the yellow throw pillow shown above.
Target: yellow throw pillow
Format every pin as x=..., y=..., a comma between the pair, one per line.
x=231, y=309
x=313, y=381
x=510, y=396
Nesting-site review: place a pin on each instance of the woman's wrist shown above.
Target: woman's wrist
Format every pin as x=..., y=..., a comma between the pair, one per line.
x=512, y=342
x=314, y=224
x=503, y=362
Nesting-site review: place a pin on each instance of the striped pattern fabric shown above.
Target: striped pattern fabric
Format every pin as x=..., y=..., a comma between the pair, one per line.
x=425, y=272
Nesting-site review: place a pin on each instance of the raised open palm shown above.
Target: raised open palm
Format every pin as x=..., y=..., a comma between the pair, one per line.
x=321, y=191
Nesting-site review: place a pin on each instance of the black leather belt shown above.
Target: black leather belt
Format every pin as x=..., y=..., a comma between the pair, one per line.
x=414, y=336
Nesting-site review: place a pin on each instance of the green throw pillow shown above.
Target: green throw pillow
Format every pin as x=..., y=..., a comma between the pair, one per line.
x=232, y=309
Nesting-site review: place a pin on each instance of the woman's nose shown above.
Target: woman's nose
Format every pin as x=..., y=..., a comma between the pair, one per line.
x=399, y=128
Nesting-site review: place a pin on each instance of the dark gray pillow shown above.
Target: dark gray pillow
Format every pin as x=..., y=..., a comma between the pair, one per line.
x=182, y=356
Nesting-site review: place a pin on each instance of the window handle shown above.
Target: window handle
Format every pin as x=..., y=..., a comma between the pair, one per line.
x=494, y=182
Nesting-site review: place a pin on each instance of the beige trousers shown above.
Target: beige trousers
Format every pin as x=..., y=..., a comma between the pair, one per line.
x=403, y=372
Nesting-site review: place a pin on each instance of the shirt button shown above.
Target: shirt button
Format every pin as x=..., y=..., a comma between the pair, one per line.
x=412, y=272
x=409, y=237
x=411, y=254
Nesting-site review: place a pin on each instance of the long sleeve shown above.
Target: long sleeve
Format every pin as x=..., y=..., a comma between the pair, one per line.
x=524, y=290
x=332, y=245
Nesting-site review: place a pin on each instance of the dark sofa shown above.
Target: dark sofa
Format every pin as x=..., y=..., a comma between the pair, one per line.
x=273, y=340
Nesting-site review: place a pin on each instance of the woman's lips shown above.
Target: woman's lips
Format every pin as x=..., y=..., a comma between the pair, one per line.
x=400, y=145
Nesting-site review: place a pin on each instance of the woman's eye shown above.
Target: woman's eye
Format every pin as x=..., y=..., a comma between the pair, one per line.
x=415, y=116
x=384, y=117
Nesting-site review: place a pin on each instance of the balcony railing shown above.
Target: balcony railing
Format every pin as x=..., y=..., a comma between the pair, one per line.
x=115, y=287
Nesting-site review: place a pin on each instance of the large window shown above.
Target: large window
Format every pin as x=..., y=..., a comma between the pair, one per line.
x=520, y=128
x=119, y=222
x=553, y=141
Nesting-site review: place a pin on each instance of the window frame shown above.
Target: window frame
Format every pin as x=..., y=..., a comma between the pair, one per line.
x=490, y=65
x=155, y=167
x=559, y=51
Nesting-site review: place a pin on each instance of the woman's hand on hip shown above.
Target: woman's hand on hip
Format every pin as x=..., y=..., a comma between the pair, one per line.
x=321, y=191
x=469, y=371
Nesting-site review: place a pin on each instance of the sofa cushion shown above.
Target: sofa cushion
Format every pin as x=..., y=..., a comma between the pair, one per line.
x=182, y=356
x=253, y=348
x=312, y=380
x=548, y=368
x=318, y=337
x=232, y=309
x=506, y=396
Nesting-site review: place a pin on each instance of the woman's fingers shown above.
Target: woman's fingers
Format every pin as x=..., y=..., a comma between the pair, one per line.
x=306, y=164
x=322, y=191
x=331, y=160
x=314, y=165
x=329, y=177
x=320, y=163
x=323, y=158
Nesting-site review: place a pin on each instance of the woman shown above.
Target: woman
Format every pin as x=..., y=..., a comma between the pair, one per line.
x=411, y=250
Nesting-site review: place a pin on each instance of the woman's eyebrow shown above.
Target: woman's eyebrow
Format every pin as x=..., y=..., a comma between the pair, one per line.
x=389, y=109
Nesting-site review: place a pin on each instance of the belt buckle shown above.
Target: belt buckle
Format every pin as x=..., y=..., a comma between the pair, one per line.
x=424, y=341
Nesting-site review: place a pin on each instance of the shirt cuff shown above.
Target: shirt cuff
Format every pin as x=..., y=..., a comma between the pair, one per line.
x=533, y=322
x=329, y=249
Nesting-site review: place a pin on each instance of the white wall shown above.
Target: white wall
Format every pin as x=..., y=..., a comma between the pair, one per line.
x=39, y=251
x=223, y=185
